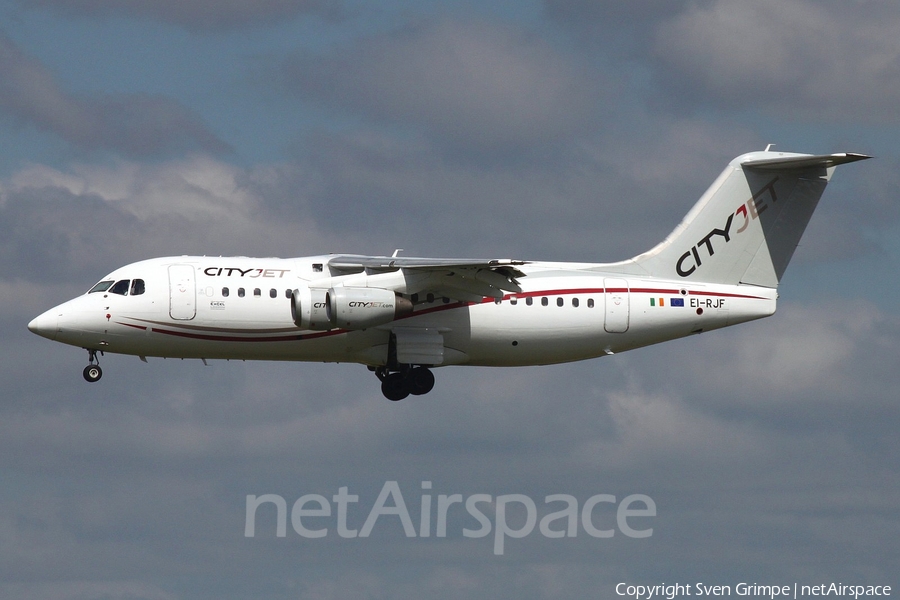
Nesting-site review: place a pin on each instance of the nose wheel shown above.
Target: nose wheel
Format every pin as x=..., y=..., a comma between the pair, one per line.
x=92, y=372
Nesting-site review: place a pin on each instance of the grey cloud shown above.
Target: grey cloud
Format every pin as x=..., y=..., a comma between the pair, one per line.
x=472, y=84
x=52, y=234
x=133, y=124
x=836, y=61
x=197, y=14
x=586, y=11
x=589, y=200
x=79, y=224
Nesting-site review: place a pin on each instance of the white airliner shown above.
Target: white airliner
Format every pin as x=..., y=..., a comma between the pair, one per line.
x=401, y=316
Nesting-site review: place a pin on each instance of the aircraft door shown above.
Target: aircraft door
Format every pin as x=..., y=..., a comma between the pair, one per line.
x=182, y=292
x=618, y=305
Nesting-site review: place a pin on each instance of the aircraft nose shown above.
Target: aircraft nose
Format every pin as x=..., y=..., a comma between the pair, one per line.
x=46, y=325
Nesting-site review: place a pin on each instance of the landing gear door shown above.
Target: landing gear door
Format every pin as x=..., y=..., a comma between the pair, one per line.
x=618, y=307
x=419, y=346
x=182, y=292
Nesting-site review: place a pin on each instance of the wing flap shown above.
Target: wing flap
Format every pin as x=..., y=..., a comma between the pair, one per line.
x=468, y=280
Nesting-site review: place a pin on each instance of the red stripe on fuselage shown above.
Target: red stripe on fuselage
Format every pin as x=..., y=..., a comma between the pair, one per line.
x=234, y=338
x=425, y=311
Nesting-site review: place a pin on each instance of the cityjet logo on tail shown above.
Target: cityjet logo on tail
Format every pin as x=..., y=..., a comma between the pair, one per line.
x=691, y=260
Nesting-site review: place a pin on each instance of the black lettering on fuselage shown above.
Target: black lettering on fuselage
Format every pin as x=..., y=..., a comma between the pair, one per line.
x=249, y=273
x=707, y=303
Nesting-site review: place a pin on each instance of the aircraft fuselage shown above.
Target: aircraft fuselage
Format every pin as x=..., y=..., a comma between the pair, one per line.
x=239, y=308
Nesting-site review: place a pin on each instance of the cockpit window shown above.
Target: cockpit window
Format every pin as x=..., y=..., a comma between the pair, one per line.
x=101, y=287
x=120, y=287
x=137, y=287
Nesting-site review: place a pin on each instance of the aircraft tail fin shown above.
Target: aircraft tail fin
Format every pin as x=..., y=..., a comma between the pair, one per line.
x=746, y=226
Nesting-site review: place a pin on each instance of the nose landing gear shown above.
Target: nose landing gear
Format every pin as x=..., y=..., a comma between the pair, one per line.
x=92, y=372
x=408, y=380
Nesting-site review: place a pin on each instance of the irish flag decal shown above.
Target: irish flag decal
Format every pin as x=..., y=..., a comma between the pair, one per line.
x=665, y=302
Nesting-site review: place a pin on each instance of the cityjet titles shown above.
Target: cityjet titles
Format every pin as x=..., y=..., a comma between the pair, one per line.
x=250, y=273
x=361, y=304
x=691, y=260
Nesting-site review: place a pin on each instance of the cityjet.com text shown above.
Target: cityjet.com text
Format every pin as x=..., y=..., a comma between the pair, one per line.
x=314, y=515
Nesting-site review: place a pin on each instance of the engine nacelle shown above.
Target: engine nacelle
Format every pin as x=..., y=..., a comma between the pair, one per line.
x=309, y=309
x=361, y=308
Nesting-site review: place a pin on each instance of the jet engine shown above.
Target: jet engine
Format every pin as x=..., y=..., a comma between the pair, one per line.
x=308, y=309
x=361, y=308
x=346, y=307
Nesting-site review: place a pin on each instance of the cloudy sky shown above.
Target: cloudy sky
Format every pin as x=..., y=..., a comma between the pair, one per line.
x=557, y=130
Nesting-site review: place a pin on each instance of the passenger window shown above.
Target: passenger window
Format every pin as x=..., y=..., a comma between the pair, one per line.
x=287, y=293
x=137, y=287
x=513, y=300
x=590, y=303
x=545, y=301
x=529, y=300
x=225, y=292
x=120, y=288
x=575, y=302
x=559, y=301
x=101, y=287
x=257, y=293
x=273, y=293
x=240, y=292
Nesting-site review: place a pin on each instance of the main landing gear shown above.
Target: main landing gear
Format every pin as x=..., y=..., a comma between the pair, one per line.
x=408, y=380
x=92, y=372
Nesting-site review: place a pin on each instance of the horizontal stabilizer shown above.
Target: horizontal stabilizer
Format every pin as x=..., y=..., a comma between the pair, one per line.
x=804, y=161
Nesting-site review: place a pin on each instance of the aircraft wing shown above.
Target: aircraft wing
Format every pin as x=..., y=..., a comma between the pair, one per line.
x=468, y=280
